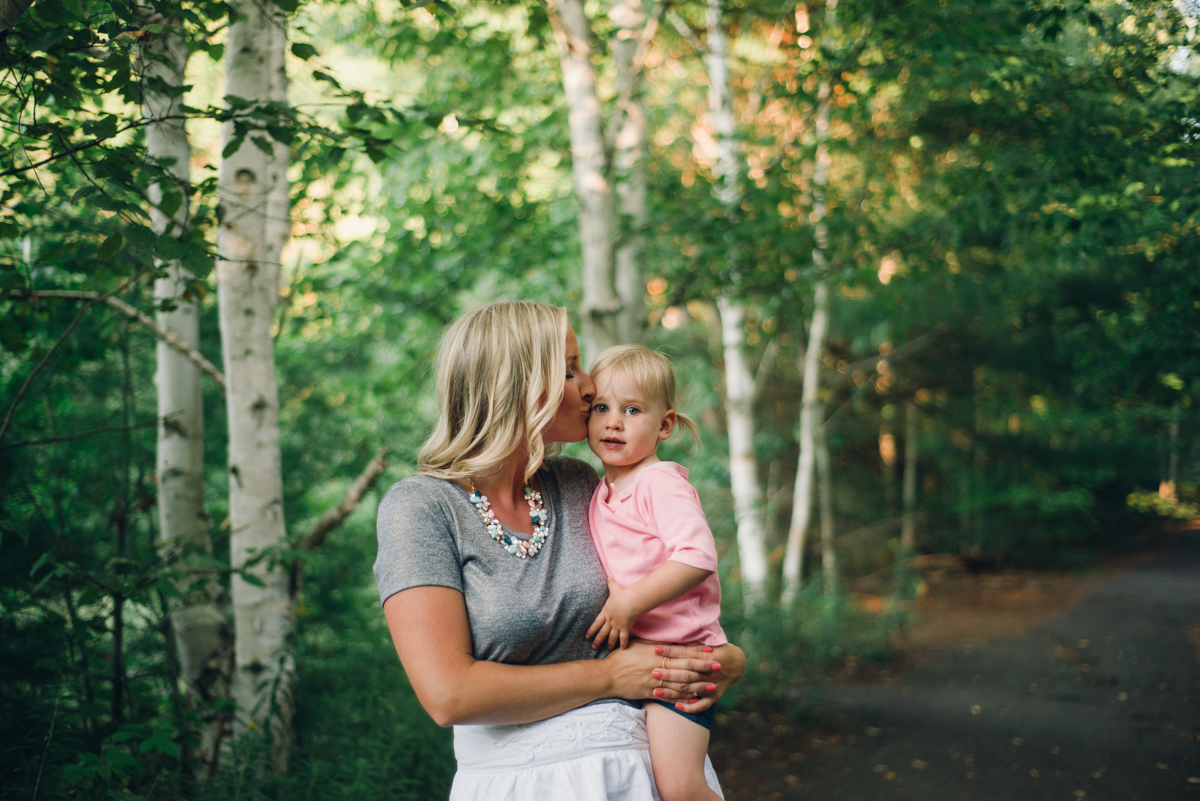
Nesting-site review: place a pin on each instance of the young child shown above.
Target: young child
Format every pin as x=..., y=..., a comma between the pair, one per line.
x=655, y=546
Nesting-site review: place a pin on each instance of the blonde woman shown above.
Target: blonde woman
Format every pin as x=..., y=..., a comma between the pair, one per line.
x=489, y=579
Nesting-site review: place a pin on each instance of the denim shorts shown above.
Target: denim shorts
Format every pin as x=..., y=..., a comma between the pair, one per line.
x=704, y=718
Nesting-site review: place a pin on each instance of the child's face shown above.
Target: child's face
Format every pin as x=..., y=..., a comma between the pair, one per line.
x=624, y=429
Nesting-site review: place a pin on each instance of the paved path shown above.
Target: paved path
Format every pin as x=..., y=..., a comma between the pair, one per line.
x=1101, y=702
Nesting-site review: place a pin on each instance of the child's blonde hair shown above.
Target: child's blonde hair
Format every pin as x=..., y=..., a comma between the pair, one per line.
x=651, y=372
x=499, y=384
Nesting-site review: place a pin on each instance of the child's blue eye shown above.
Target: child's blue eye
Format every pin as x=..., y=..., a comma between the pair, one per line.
x=600, y=407
x=632, y=410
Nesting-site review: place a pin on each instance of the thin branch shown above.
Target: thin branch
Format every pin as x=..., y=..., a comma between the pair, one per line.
x=124, y=308
x=764, y=365
x=13, y=408
x=685, y=30
x=84, y=435
x=315, y=537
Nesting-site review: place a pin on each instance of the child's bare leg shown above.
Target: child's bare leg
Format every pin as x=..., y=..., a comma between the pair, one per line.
x=677, y=750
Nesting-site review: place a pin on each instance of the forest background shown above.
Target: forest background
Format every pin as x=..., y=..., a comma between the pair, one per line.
x=926, y=270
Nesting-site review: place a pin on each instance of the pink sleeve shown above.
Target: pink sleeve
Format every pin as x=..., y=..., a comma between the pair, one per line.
x=672, y=503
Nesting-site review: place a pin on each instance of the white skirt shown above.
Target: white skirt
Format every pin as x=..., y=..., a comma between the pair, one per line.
x=595, y=753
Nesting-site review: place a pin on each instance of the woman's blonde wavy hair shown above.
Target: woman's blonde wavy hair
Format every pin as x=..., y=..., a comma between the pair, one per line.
x=500, y=378
x=651, y=372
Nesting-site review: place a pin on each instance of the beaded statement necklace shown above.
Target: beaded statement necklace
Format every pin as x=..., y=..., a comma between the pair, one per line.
x=522, y=549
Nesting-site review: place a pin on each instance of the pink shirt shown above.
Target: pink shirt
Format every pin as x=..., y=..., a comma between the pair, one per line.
x=658, y=519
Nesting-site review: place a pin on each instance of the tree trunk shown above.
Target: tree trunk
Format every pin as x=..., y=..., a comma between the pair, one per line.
x=825, y=498
x=632, y=150
x=248, y=286
x=743, y=467
x=11, y=12
x=908, y=529
x=601, y=303
x=739, y=382
x=720, y=107
x=1167, y=488
x=793, y=556
x=198, y=623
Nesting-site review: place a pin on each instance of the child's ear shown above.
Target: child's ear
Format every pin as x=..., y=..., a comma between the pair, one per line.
x=667, y=427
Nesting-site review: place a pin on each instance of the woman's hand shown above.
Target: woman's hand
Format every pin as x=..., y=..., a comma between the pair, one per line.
x=728, y=666
x=638, y=672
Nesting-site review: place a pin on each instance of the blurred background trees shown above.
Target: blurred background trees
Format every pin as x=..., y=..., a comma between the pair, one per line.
x=926, y=270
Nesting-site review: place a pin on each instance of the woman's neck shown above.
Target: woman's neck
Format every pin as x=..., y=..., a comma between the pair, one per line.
x=505, y=490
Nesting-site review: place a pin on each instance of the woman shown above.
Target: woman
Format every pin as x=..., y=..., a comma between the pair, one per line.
x=489, y=578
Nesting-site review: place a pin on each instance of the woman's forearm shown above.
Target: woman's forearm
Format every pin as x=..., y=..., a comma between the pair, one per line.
x=432, y=636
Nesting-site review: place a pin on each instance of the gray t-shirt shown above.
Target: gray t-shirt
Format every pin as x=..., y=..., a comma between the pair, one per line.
x=521, y=611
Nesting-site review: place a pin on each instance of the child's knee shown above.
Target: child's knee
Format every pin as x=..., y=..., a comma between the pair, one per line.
x=682, y=785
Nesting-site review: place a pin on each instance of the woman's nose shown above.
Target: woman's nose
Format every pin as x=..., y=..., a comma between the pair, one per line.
x=587, y=387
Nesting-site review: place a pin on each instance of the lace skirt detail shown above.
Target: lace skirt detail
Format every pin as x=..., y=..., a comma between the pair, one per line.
x=595, y=753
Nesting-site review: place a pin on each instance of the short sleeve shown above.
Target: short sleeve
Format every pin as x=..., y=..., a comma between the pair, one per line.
x=417, y=544
x=674, y=506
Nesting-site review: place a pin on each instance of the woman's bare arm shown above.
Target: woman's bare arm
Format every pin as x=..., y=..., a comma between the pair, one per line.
x=433, y=639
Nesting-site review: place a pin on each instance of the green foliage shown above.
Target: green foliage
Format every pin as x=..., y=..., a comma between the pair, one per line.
x=1012, y=238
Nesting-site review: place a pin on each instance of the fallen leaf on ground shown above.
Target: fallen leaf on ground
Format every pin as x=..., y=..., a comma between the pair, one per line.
x=919, y=765
x=976, y=709
x=1017, y=741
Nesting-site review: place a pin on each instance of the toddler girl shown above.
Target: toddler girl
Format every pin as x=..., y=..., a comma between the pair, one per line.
x=655, y=546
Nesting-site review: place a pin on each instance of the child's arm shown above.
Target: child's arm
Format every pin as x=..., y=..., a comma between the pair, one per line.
x=624, y=604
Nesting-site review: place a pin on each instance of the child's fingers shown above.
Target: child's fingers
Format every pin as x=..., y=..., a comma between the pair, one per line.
x=595, y=627
x=624, y=638
x=605, y=631
x=614, y=637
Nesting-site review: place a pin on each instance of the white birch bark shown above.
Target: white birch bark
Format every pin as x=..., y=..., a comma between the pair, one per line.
x=908, y=528
x=198, y=622
x=248, y=286
x=825, y=504
x=631, y=152
x=793, y=555
x=601, y=304
x=739, y=382
x=743, y=467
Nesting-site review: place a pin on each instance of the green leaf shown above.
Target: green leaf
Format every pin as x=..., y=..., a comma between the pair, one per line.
x=232, y=147
x=264, y=145
x=303, y=50
x=80, y=194
x=252, y=580
x=43, y=559
x=319, y=75
x=170, y=203
x=110, y=246
x=46, y=39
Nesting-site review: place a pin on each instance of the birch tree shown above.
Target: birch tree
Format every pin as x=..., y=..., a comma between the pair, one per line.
x=248, y=244
x=197, y=620
x=793, y=557
x=739, y=382
x=631, y=150
x=585, y=118
x=810, y=405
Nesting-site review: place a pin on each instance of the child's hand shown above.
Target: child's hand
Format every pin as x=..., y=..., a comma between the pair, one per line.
x=615, y=619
